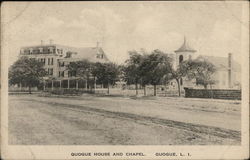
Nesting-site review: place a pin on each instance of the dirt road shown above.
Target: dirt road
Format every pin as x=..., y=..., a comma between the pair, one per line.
x=91, y=120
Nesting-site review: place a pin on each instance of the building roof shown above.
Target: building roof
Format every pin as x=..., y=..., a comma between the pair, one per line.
x=221, y=63
x=185, y=47
x=88, y=53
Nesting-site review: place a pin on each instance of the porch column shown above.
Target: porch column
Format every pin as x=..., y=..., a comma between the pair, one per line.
x=20, y=86
x=60, y=84
x=52, y=85
x=86, y=84
x=68, y=83
x=76, y=84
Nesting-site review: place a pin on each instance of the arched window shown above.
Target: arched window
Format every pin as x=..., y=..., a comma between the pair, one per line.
x=181, y=83
x=180, y=58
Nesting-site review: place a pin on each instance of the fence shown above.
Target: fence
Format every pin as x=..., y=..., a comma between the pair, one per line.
x=113, y=91
x=23, y=89
x=213, y=93
x=69, y=91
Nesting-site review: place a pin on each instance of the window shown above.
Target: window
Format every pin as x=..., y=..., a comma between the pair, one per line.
x=180, y=58
x=61, y=64
x=50, y=61
x=50, y=49
x=71, y=73
x=61, y=74
x=99, y=56
x=50, y=71
x=181, y=83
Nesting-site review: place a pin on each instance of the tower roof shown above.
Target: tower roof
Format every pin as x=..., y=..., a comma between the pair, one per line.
x=185, y=47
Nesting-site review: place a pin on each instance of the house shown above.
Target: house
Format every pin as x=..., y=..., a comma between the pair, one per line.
x=56, y=58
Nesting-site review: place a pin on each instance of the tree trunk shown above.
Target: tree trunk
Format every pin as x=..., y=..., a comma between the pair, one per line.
x=86, y=84
x=20, y=87
x=145, y=89
x=44, y=85
x=155, y=90
x=95, y=84
x=136, y=88
x=179, y=88
x=29, y=89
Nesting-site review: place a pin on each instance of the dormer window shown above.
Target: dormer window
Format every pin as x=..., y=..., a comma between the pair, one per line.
x=59, y=51
x=68, y=55
x=21, y=51
x=31, y=50
x=40, y=50
x=99, y=56
x=50, y=49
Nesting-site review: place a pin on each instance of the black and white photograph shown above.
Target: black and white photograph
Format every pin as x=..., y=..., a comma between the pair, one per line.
x=114, y=76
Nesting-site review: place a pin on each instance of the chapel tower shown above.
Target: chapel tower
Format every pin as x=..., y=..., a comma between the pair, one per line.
x=185, y=52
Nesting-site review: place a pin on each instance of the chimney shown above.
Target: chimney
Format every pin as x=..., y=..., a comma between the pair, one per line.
x=230, y=70
x=42, y=42
x=51, y=41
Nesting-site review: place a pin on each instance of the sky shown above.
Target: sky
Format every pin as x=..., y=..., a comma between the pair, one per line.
x=212, y=28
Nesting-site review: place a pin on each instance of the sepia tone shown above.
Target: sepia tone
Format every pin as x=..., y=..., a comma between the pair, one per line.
x=99, y=75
